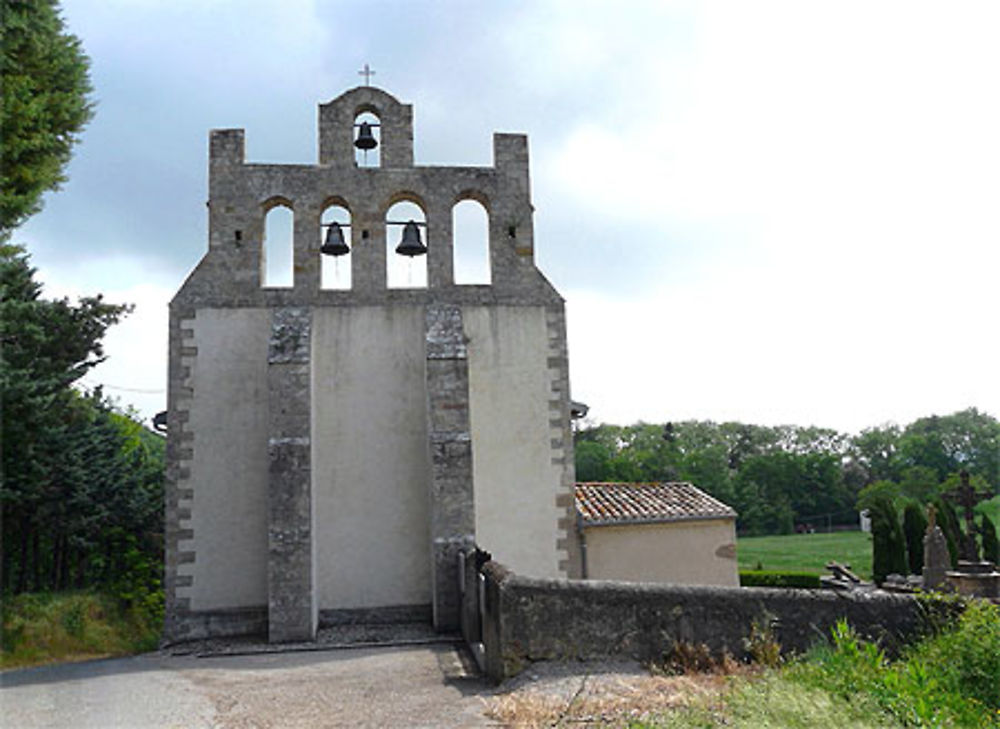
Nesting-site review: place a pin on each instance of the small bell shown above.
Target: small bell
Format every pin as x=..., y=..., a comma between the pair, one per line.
x=366, y=140
x=334, y=245
x=410, y=244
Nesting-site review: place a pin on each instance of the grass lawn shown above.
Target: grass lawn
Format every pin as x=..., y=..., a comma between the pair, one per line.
x=807, y=552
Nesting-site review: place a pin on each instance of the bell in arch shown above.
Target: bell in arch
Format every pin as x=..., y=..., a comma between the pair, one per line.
x=366, y=140
x=334, y=244
x=410, y=244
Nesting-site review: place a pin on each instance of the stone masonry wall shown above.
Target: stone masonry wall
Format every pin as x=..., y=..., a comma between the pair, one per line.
x=526, y=619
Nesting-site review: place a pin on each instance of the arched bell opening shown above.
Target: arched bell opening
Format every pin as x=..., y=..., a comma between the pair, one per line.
x=277, y=251
x=336, y=246
x=471, y=242
x=367, y=138
x=406, y=246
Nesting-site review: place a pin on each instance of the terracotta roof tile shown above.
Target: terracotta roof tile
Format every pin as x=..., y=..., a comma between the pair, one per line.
x=600, y=504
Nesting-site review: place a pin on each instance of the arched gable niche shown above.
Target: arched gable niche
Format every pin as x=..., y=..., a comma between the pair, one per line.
x=277, y=247
x=402, y=271
x=470, y=235
x=336, y=127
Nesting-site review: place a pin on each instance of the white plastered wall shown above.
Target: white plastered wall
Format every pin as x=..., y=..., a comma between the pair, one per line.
x=229, y=420
x=682, y=552
x=369, y=457
x=515, y=483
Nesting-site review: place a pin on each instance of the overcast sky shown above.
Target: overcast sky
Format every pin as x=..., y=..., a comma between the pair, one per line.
x=772, y=212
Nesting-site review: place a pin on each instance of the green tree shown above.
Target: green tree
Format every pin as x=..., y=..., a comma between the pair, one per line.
x=919, y=483
x=45, y=346
x=809, y=484
x=991, y=548
x=876, y=450
x=947, y=444
x=888, y=543
x=914, y=529
x=45, y=105
x=592, y=461
x=880, y=489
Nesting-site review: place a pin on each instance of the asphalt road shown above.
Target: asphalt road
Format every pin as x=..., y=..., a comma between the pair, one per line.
x=421, y=686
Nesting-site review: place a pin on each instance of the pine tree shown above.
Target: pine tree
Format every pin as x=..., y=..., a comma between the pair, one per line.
x=45, y=105
x=46, y=347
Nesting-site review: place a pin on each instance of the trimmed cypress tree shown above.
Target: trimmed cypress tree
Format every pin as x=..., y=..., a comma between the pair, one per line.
x=888, y=543
x=914, y=529
x=991, y=548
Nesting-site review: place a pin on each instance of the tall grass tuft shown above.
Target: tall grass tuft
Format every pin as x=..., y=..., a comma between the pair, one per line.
x=948, y=679
x=43, y=628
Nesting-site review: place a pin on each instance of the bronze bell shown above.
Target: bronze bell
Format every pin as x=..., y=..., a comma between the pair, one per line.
x=366, y=140
x=334, y=244
x=410, y=244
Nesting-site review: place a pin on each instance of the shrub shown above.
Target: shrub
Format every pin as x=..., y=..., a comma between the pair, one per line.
x=967, y=660
x=914, y=529
x=888, y=544
x=951, y=678
x=762, y=644
x=991, y=548
x=777, y=578
x=47, y=627
x=948, y=521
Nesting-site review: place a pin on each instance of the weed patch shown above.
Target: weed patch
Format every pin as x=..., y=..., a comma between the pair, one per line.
x=50, y=627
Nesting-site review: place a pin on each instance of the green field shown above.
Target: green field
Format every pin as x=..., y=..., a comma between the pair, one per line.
x=807, y=552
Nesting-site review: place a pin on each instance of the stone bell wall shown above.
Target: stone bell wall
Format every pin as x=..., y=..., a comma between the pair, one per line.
x=330, y=451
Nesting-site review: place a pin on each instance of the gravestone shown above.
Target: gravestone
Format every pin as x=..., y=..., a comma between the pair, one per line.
x=937, y=559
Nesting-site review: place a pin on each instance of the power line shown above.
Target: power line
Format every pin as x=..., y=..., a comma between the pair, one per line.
x=124, y=389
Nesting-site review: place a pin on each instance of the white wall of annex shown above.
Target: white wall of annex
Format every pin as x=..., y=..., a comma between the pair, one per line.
x=682, y=552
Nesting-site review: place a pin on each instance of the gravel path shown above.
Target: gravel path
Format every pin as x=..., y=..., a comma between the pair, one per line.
x=246, y=684
x=418, y=686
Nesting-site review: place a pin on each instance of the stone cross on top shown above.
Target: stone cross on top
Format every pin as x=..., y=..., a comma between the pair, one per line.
x=966, y=496
x=367, y=73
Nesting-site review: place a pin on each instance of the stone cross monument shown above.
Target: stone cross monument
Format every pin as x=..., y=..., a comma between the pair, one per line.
x=966, y=496
x=937, y=560
x=330, y=451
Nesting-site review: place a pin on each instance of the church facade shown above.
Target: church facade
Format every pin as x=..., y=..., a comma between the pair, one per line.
x=330, y=451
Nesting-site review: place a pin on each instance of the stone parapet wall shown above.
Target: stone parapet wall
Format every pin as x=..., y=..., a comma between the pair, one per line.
x=526, y=619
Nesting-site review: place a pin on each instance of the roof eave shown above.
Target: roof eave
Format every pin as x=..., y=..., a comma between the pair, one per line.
x=654, y=520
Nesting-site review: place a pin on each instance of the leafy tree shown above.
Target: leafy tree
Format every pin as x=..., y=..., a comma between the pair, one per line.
x=914, y=529
x=919, y=483
x=809, y=484
x=876, y=450
x=778, y=476
x=592, y=461
x=947, y=444
x=878, y=490
x=888, y=544
x=44, y=108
